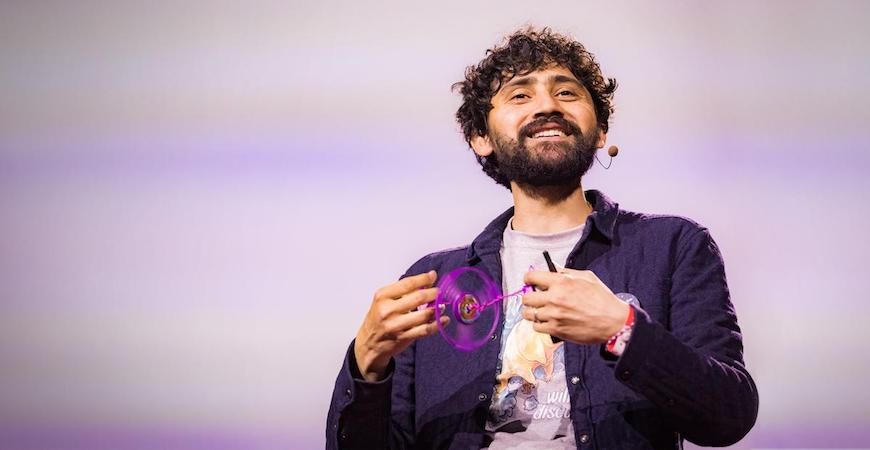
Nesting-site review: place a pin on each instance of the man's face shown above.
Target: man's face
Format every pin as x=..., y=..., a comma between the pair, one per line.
x=542, y=129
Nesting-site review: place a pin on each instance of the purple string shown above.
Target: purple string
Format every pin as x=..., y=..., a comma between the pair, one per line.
x=523, y=290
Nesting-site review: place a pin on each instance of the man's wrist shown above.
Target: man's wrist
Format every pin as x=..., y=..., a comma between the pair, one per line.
x=375, y=372
x=617, y=343
x=370, y=369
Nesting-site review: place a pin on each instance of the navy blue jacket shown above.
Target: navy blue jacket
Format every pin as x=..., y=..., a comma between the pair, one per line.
x=681, y=376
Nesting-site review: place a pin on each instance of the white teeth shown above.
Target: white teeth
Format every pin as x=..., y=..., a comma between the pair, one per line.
x=548, y=133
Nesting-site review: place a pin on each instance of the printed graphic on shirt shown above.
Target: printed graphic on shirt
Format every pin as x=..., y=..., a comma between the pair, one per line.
x=531, y=379
x=531, y=404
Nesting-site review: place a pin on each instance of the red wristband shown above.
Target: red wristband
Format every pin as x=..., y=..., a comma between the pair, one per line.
x=616, y=344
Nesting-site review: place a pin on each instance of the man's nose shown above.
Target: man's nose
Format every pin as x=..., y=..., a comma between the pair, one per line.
x=547, y=105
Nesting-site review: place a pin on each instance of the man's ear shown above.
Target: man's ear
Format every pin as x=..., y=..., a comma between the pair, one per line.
x=481, y=145
x=602, y=138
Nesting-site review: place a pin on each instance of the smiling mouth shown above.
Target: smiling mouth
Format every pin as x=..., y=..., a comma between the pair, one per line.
x=548, y=133
x=551, y=128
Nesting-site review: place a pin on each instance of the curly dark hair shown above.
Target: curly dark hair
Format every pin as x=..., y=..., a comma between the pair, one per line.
x=524, y=52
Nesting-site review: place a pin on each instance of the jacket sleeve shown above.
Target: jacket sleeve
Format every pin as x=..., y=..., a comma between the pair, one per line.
x=360, y=410
x=368, y=415
x=693, y=370
x=380, y=414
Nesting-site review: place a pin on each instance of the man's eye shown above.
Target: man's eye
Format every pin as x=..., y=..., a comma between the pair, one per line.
x=519, y=97
x=566, y=93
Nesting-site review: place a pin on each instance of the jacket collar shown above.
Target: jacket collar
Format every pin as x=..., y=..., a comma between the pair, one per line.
x=603, y=218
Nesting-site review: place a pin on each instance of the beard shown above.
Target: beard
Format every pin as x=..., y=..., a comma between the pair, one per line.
x=549, y=170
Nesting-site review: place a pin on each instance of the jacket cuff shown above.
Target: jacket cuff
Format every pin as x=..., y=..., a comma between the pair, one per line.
x=364, y=393
x=360, y=409
x=635, y=366
x=662, y=368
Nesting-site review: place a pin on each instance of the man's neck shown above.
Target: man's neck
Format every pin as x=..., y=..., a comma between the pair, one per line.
x=539, y=214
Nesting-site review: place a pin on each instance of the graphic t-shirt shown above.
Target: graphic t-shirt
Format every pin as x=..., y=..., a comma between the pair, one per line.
x=530, y=404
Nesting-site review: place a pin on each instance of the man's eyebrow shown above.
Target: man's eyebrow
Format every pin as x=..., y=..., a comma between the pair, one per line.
x=564, y=79
x=530, y=79
x=520, y=81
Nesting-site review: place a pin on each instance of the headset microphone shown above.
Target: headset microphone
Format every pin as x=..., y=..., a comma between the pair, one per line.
x=612, y=152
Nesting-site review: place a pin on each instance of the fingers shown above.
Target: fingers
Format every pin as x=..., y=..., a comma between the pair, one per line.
x=532, y=314
x=406, y=285
x=542, y=278
x=543, y=327
x=396, y=317
x=423, y=330
x=537, y=314
x=545, y=280
x=403, y=322
x=535, y=299
x=414, y=299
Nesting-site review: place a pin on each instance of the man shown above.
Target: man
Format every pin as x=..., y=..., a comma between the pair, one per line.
x=634, y=343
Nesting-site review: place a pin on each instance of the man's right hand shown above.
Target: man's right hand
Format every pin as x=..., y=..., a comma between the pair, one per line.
x=393, y=322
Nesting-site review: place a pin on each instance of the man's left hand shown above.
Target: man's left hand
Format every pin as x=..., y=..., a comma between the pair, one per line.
x=573, y=305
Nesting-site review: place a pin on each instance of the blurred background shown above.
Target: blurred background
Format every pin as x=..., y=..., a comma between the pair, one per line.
x=198, y=200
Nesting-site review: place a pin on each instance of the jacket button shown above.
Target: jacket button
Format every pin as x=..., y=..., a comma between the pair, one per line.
x=625, y=375
x=347, y=393
x=492, y=338
x=584, y=438
x=575, y=380
x=481, y=397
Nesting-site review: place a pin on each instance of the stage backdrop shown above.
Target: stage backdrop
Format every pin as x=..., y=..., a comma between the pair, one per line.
x=197, y=201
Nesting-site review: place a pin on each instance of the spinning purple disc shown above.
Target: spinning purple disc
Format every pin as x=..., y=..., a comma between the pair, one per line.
x=472, y=301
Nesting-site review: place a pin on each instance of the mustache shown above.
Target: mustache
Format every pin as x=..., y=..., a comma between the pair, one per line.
x=570, y=128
